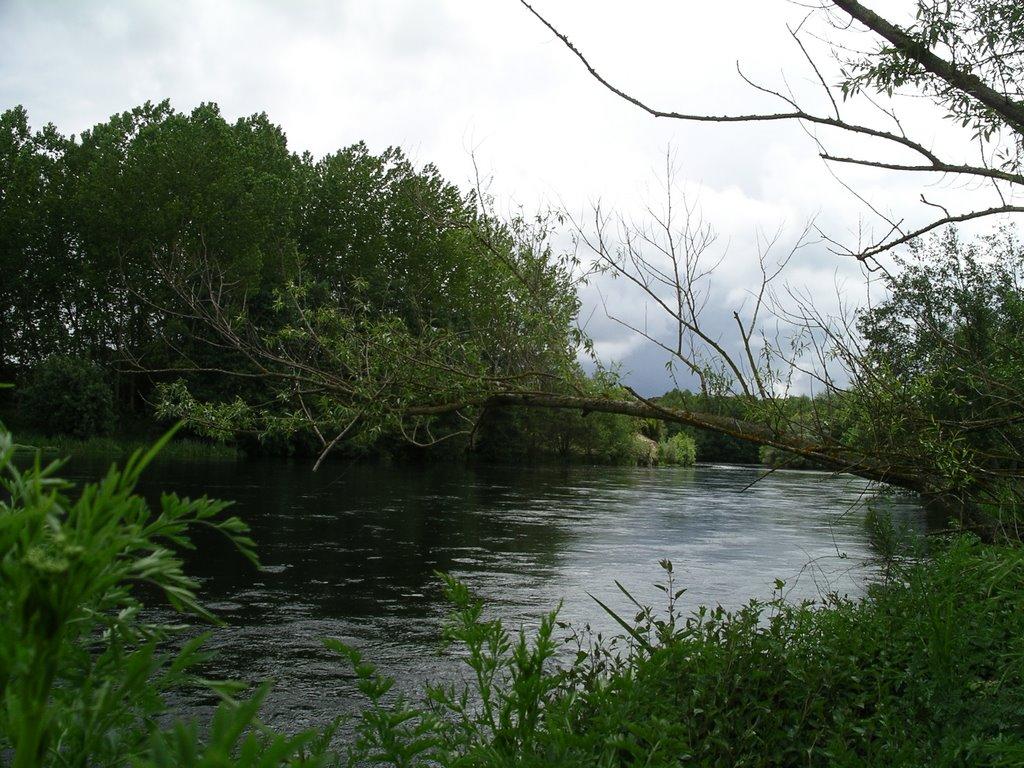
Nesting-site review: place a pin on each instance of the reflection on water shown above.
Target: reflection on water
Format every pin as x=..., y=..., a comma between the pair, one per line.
x=351, y=552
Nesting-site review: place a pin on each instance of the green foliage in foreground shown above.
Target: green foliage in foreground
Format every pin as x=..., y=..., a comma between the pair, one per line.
x=83, y=674
x=927, y=671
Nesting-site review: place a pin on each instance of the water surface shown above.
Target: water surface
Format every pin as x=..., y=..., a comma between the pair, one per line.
x=351, y=552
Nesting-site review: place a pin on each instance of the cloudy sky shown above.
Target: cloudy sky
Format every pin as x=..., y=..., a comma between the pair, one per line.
x=447, y=78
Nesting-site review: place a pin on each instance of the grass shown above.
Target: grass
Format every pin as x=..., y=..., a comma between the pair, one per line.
x=121, y=447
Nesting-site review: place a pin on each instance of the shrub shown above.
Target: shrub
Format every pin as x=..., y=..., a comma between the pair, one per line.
x=679, y=450
x=925, y=671
x=645, y=451
x=68, y=395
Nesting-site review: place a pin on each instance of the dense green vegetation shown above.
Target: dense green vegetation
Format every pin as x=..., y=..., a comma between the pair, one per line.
x=709, y=445
x=83, y=674
x=597, y=438
x=680, y=449
x=68, y=395
x=103, y=236
x=925, y=671
x=943, y=373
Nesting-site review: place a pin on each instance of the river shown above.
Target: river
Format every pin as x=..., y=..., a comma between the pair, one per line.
x=351, y=552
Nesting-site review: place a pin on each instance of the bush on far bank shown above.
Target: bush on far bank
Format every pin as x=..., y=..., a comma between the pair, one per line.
x=679, y=450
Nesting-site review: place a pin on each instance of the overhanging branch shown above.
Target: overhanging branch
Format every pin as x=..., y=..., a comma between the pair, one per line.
x=1009, y=110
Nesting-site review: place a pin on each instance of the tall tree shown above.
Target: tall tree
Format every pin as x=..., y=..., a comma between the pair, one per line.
x=34, y=241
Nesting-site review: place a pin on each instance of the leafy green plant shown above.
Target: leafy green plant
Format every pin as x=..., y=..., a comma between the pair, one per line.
x=82, y=669
x=499, y=713
x=234, y=740
x=927, y=670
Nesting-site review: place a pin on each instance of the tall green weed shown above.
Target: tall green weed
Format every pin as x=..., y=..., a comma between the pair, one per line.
x=926, y=671
x=83, y=672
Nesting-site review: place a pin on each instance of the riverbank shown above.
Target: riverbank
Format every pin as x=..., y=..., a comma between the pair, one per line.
x=122, y=446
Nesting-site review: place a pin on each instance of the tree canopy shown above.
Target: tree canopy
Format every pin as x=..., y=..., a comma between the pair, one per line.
x=259, y=291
